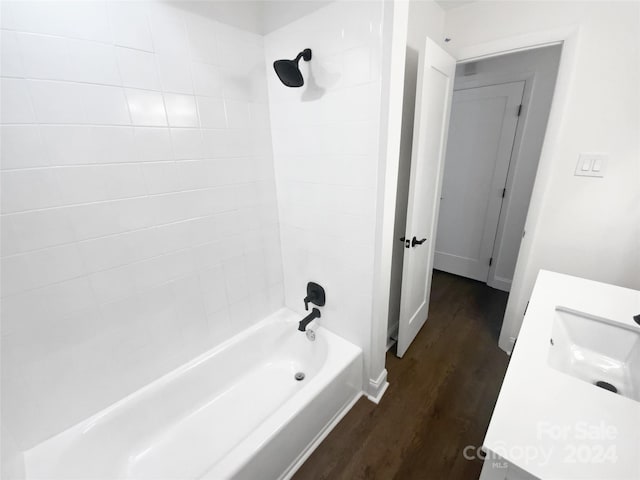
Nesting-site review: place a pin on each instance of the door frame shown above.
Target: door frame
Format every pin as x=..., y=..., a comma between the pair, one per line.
x=524, y=275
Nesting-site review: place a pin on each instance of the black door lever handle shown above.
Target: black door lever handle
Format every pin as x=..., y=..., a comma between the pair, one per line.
x=415, y=241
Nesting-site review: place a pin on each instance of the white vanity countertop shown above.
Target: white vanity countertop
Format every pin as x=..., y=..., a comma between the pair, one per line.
x=555, y=426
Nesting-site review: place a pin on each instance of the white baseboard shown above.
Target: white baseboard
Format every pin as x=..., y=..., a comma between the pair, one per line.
x=319, y=438
x=377, y=387
x=500, y=284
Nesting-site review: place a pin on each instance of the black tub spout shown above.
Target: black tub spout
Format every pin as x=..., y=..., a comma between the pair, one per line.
x=302, y=326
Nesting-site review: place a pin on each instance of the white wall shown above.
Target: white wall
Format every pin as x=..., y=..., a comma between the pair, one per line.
x=582, y=226
x=139, y=218
x=325, y=143
x=426, y=19
x=538, y=68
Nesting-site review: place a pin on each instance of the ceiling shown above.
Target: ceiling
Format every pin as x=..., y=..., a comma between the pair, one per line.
x=257, y=16
x=265, y=16
x=451, y=4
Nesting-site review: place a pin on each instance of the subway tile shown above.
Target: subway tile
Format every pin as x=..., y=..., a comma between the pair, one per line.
x=105, y=105
x=235, y=87
x=195, y=174
x=130, y=25
x=214, y=293
x=168, y=30
x=70, y=144
x=237, y=113
x=148, y=205
x=213, y=253
x=93, y=220
x=138, y=69
x=123, y=181
x=15, y=275
x=169, y=238
x=161, y=177
x=217, y=200
x=181, y=110
x=357, y=66
x=202, y=39
x=58, y=102
x=81, y=184
x=172, y=207
x=15, y=103
x=226, y=143
x=84, y=20
x=162, y=269
x=45, y=57
x=28, y=190
x=114, y=144
x=92, y=62
x=242, y=314
x=55, y=264
x=23, y=147
x=37, y=229
x=256, y=271
x=212, y=112
x=187, y=143
x=113, y=251
x=152, y=144
x=146, y=108
x=207, y=80
x=10, y=59
x=220, y=327
x=189, y=307
x=40, y=268
x=52, y=301
x=134, y=213
x=175, y=74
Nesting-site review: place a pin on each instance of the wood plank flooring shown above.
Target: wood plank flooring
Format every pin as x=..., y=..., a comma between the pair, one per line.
x=440, y=398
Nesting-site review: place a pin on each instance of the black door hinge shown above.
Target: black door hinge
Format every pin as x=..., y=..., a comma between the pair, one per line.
x=519, y=110
x=490, y=261
x=525, y=309
x=504, y=191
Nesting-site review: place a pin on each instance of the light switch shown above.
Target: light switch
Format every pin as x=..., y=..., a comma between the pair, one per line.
x=597, y=165
x=591, y=164
x=586, y=165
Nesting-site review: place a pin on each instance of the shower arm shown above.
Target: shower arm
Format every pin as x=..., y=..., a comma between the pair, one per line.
x=305, y=54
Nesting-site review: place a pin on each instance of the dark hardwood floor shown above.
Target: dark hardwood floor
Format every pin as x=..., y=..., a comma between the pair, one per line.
x=440, y=398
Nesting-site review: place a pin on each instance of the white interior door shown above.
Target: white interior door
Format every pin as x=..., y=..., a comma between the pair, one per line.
x=481, y=135
x=436, y=71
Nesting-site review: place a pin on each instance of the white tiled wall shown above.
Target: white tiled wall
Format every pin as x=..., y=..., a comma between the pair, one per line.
x=139, y=217
x=325, y=143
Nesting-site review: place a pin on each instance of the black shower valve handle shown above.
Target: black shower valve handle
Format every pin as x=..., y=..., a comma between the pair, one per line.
x=311, y=297
x=306, y=303
x=315, y=295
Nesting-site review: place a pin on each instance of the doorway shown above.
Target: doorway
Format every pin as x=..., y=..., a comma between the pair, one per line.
x=499, y=114
x=505, y=102
x=481, y=136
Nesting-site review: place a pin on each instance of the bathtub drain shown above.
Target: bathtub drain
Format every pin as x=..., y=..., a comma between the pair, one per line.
x=299, y=376
x=606, y=386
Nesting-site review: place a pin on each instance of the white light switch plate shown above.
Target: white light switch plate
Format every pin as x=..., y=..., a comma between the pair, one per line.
x=592, y=165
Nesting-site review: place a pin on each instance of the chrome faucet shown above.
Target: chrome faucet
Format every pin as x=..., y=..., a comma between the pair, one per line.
x=302, y=326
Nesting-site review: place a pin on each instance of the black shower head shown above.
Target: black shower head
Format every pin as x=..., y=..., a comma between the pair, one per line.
x=288, y=70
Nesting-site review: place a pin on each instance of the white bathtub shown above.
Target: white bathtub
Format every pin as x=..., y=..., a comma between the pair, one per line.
x=235, y=412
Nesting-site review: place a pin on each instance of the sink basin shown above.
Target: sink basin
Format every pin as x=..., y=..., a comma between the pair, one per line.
x=596, y=350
